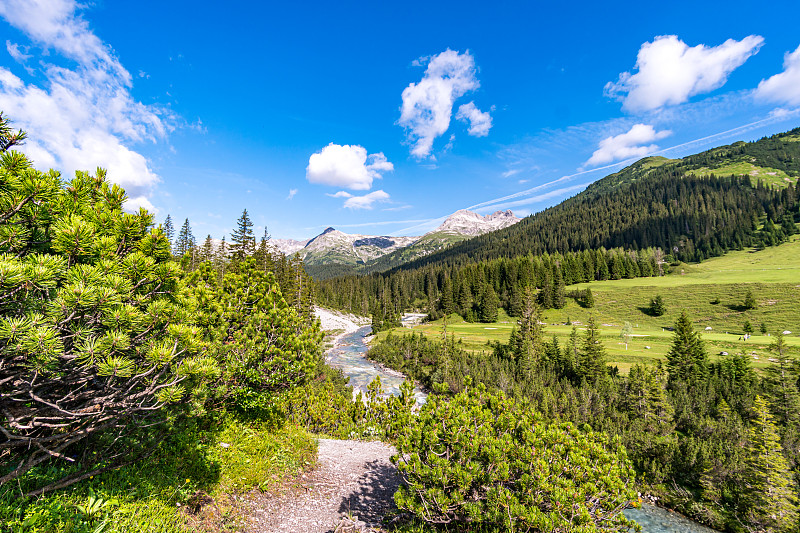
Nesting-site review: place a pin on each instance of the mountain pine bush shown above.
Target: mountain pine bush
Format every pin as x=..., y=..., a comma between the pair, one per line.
x=479, y=460
x=94, y=337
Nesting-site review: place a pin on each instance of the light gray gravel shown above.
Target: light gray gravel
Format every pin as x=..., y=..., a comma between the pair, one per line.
x=350, y=490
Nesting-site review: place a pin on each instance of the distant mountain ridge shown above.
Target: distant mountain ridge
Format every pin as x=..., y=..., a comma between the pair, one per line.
x=334, y=252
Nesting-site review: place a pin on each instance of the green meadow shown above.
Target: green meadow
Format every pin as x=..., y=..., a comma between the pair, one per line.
x=712, y=293
x=769, y=176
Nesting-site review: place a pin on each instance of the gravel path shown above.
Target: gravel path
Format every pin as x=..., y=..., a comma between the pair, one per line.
x=353, y=479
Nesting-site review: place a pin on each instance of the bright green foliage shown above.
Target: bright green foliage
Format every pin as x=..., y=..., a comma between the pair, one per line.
x=261, y=344
x=93, y=334
x=626, y=333
x=479, y=460
x=769, y=501
x=687, y=360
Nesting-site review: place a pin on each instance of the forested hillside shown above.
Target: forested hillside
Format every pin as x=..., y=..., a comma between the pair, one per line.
x=630, y=224
x=654, y=202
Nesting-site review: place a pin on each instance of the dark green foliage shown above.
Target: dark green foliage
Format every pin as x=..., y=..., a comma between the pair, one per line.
x=510, y=471
x=185, y=243
x=169, y=230
x=747, y=327
x=687, y=359
x=590, y=363
x=487, y=308
x=657, y=306
x=243, y=242
x=588, y=299
x=749, y=300
x=763, y=328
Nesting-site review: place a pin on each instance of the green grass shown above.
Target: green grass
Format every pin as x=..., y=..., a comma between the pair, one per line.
x=185, y=486
x=772, y=274
x=770, y=176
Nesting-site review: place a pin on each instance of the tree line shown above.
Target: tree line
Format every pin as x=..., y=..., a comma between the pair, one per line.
x=716, y=441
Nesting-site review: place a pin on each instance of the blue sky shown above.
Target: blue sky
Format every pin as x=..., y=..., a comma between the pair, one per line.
x=382, y=118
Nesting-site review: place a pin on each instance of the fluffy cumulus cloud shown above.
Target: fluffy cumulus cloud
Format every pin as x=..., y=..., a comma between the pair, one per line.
x=428, y=104
x=480, y=122
x=783, y=88
x=632, y=143
x=83, y=116
x=346, y=166
x=362, y=202
x=669, y=71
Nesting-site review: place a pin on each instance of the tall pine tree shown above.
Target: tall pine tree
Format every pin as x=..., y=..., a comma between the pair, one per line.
x=243, y=242
x=769, y=501
x=687, y=360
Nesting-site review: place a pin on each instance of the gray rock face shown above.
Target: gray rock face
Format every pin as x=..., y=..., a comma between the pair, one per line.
x=334, y=246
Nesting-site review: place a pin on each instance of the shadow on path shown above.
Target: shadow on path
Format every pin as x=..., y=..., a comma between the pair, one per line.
x=373, y=498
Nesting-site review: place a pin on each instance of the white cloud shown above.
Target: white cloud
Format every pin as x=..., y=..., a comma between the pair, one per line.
x=366, y=201
x=292, y=193
x=669, y=71
x=16, y=52
x=83, y=116
x=785, y=86
x=627, y=145
x=346, y=166
x=480, y=122
x=428, y=105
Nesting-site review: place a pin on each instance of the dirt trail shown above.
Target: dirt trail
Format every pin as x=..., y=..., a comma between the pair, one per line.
x=353, y=479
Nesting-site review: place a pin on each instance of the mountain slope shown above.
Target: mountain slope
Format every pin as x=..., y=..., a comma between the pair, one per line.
x=335, y=253
x=653, y=202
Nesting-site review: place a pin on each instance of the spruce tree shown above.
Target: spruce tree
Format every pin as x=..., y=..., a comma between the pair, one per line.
x=487, y=310
x=243, y=242
x=529, y=342
x=768, y=500
x=588, y=299
x=687, y=360
x=657, y=307
x=591, y=361
x=749, y=300
x=185, y=242
x=207, y=251
x=780, y=386
x=169, y=230
x=558, y=288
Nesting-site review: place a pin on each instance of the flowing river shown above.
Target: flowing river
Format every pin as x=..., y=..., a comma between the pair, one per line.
x=349, y=353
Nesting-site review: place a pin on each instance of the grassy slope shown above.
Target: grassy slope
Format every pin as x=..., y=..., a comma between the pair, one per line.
x=772, y=274
x=187, y=485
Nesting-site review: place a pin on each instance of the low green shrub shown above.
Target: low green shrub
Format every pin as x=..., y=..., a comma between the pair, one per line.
x=488, y=463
